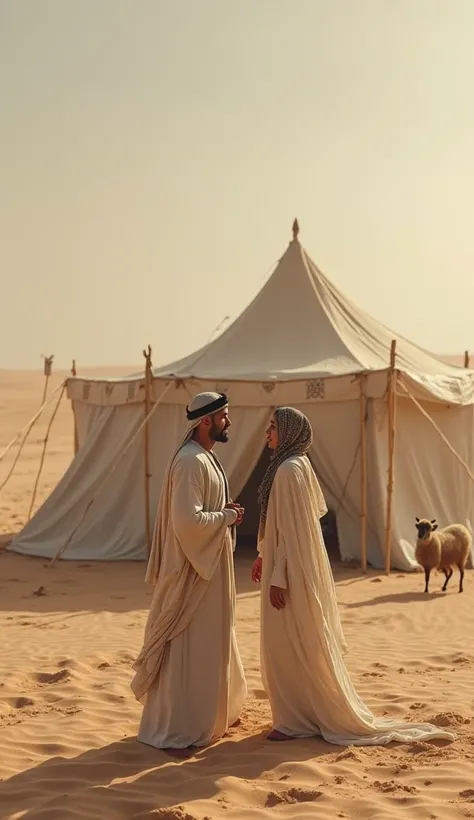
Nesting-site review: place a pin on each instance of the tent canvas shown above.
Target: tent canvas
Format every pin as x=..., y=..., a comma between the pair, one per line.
x=300, y=342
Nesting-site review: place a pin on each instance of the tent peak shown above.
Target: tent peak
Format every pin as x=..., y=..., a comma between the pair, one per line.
x=296, y=230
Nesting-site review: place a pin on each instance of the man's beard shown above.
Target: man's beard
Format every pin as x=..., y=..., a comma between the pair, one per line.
x=221, y=436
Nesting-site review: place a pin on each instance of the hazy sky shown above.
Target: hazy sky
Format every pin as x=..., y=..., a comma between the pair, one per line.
x=153, y=155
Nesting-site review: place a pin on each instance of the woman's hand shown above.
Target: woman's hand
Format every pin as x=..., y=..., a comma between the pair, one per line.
x=257, y=570
x=278, y=597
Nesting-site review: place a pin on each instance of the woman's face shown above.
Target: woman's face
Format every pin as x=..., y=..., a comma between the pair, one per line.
x=272, y=435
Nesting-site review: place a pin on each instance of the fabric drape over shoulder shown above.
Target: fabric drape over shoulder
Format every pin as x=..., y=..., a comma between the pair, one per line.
x=303, y=670
x=200, y=405
x=163, y=512
x=187, y=547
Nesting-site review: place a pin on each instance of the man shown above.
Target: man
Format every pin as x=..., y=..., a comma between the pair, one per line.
x=189, y=675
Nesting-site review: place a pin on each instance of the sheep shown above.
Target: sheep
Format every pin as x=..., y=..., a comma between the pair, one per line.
x=449, y=547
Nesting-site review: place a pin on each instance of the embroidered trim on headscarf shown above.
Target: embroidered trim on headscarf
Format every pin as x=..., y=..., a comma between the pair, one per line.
x=295, y=437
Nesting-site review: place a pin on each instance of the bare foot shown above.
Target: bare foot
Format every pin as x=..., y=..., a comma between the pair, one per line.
x=180, y=754
x=276, y=735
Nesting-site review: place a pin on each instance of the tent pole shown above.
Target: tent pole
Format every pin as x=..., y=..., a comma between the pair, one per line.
x=466, y=358
x=433, y=424
x=76, y=437
x=146, y=443
x=48, y=366
x=48, y=361
x=363, y=473
x=107, y=476
x=391, y=403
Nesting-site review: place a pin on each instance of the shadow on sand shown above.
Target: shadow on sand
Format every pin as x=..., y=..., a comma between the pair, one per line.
x=396, y=598
x=130, y=781
x=145, y=778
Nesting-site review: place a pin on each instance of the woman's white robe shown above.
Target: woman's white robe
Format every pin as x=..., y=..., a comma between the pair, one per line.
x=303, y=670
x=189, y=674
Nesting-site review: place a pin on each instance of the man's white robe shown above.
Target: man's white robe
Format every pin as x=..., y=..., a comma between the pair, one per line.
x=189, y=674
x=303, y=670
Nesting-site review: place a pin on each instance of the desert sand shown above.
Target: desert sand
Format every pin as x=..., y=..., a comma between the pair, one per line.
x=68, y=720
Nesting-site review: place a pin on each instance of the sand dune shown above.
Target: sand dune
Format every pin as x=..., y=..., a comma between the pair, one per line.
x=68, y=720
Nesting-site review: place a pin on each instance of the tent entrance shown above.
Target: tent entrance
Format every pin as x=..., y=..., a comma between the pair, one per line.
x=247, y=532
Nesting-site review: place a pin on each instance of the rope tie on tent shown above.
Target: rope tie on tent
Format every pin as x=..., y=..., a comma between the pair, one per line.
x=340, y=500
x=45, y=444
x=433, y=423
x=348, y=478
x=27, y=428
x=101, y=486
x=15, y=461
x=380, y=408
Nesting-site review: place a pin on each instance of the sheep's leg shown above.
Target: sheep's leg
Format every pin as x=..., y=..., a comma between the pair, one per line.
x=427, y=577
x=461, y=578
x=447, y=574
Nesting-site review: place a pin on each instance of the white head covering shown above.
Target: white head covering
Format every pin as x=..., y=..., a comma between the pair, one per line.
x=203, y=404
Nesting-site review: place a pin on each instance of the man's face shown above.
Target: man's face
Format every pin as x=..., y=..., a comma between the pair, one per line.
x=220, y=423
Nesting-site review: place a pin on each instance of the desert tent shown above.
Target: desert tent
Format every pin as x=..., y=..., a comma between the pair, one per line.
x=300, y=342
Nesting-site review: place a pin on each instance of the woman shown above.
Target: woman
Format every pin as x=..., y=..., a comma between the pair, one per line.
x=302, y=641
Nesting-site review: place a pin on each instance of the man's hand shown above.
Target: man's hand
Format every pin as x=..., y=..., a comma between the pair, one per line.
x=238, y=509
x=257, y=570
x=278, y=597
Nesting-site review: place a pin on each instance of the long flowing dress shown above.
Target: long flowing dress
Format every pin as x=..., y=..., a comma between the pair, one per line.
x=303, y=670
x=189, y=674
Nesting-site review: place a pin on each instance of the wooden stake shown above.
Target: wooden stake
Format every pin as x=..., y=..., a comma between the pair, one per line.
x=466, y=358
x=48, y=367
x=363, y=473
x=146, y=443
x=391, y=404
x=76, y=436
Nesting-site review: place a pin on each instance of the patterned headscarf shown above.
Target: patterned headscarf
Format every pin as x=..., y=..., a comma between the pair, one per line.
x=295, y=437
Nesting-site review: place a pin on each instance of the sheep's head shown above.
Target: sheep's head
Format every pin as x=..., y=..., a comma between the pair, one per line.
x=425, y=527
